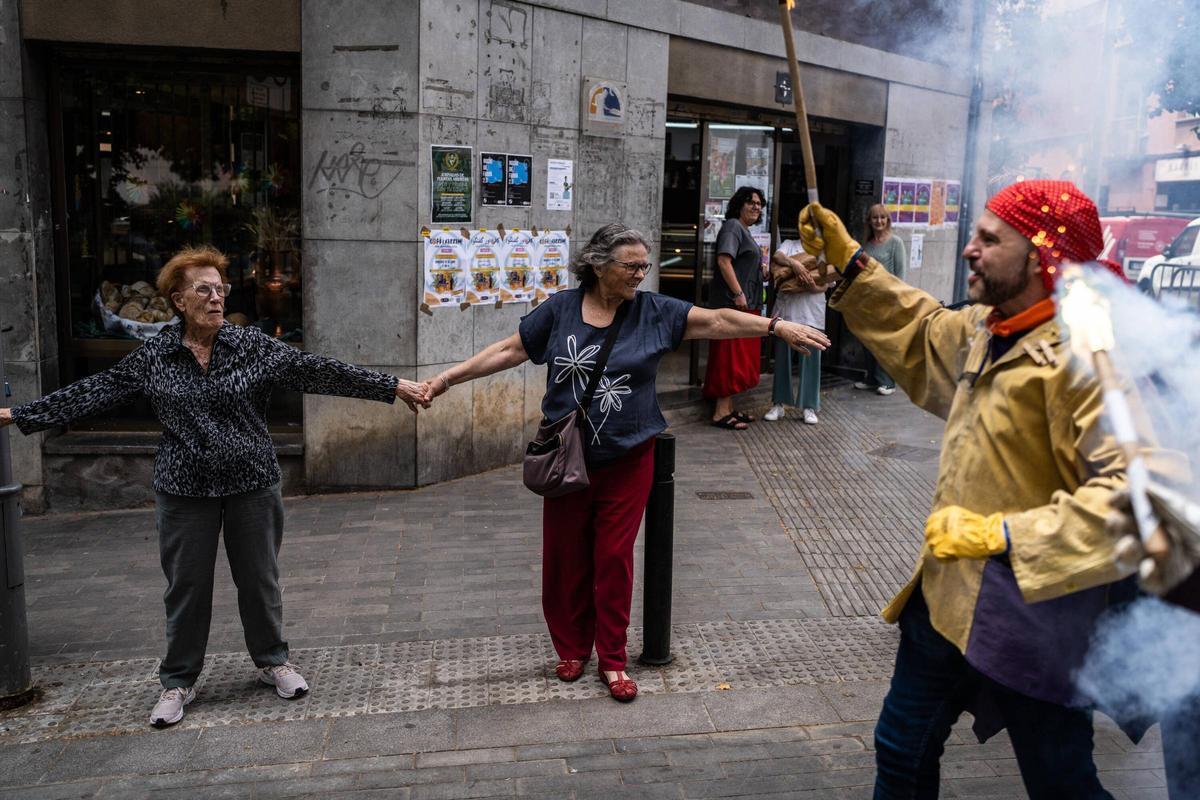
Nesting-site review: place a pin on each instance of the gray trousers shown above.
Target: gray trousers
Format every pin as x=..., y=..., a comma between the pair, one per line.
x=188, y=529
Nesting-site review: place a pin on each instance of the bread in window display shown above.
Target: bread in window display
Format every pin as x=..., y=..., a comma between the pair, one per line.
x=133, y=310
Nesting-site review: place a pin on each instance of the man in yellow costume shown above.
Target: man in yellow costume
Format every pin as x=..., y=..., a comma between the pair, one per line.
x=1016, y=565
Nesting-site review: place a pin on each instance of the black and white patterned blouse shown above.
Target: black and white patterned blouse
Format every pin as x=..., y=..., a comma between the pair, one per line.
x=215, y=439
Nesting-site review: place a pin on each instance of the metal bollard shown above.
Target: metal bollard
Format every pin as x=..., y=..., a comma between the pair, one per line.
x=658, y=548
x=14, y=633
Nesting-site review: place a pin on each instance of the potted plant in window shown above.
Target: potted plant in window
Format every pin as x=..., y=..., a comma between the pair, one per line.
x=276, y=234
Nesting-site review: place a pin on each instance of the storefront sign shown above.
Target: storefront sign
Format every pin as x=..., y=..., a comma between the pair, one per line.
x=864, y=188
x=560, y=184
x=450, y=184
x=603, y=109
x=783, y=88
x=1168, y=170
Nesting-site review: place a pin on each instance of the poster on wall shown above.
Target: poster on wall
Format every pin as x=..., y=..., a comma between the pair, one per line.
x=953, y=199
x=937, y=204
x=560, y=184
x=445, y=278
x=924, y=197
x=763, y=240
x=891, y=198
x=517, y=259
x=450, y=184
x=493, y=171
x=517, y=180
x=714, y=218
x=916, y=252
x=483, y=267
x=553, y=253
x=758, y=163
x=722, y=166
x=908, y=199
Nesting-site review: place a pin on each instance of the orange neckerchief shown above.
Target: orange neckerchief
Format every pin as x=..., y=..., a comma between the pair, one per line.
x=1031, y=317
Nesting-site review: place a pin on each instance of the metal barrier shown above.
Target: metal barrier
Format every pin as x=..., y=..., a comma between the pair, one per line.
x=14, y=635
x=1175, y=280
x=658, y=548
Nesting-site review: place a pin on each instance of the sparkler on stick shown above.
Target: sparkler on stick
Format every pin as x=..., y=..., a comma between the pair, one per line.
x=1087, y=313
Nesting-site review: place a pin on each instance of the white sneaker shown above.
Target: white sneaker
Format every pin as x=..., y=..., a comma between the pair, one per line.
x=776, y=413
x=886, y=390
x=287, y=681
x=810, y=417
x=169, y=708
x=862, y=385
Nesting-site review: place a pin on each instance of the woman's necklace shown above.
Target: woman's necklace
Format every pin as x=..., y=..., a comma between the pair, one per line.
x=203, y=353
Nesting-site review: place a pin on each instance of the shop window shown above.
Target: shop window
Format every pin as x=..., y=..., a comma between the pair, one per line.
x=153, y=158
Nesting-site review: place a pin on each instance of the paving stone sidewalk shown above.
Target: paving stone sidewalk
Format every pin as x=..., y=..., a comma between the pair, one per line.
x=416, y=617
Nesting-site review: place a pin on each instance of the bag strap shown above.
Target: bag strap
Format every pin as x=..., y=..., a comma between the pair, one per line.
x=602, y=356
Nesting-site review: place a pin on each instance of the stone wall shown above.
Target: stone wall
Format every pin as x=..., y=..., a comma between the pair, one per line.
x=493, y=75
x=27, y=301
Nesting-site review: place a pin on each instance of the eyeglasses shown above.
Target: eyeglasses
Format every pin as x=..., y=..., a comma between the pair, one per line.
x=206, y=289
x=758, y=203
x=634, y=268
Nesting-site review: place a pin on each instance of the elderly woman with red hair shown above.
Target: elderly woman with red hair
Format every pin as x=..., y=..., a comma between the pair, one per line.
x=209, y=382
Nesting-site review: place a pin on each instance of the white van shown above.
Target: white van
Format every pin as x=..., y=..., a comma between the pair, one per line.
x=1184, y=251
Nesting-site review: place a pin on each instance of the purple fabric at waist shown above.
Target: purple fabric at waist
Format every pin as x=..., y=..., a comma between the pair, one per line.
x=1032, y=648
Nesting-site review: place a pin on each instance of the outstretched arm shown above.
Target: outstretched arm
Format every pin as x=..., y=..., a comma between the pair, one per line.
x=83, y=398
x=725, y=323
x=496, y=357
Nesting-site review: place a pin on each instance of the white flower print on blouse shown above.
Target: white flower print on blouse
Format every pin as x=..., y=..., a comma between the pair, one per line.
x=577, y=368
x=576, y=365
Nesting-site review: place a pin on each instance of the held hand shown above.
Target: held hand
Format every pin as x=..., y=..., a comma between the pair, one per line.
x=954, y=532
x=5, y=417
x=413, y=394
x=834, y=239
x=801, y=337
x=437, y=386
x=1180, y=518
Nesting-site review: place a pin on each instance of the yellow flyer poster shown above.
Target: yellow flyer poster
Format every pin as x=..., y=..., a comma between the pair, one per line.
x=483, y=267
x=518, y=258
x=445, y=278
x=553, y=249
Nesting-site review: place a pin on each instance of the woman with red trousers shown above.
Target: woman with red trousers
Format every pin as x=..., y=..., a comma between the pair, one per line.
x=588, y=535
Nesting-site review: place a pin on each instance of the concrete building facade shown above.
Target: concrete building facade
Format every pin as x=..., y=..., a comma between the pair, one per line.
x=377, y=84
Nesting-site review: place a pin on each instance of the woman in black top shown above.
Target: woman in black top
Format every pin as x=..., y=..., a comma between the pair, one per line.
x=733, y=364
x=209, y=383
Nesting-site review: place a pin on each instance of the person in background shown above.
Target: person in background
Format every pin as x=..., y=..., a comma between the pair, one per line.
x=885, y=247
x=209, y=382
x=734, y=364
x=798, y=299
x=588, y=535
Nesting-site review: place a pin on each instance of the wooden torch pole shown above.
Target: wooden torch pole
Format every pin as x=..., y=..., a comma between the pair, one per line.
x=810, y=167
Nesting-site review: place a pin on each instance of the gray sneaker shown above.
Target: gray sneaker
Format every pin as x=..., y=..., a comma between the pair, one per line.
x=169, y=708
x=287, y=681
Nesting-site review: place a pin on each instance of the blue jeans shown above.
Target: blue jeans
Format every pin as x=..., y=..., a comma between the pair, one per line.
x=1181, y=751
x=877, y=375
x=931, y=687
x=808, y=393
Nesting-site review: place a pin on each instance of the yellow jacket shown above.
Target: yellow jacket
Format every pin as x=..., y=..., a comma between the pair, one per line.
x=1022, y=438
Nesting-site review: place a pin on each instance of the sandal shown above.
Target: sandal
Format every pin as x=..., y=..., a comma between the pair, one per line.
x=622, y=689
x=569, y=670
x=729, y=422
x=744, y=417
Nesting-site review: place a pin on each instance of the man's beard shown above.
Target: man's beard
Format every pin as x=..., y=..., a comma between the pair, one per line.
x=995, y=291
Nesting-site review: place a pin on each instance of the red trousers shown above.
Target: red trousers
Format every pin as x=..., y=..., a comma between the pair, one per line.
x=587, y=558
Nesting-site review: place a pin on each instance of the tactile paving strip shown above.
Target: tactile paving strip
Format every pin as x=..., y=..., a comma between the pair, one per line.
x=101, y=698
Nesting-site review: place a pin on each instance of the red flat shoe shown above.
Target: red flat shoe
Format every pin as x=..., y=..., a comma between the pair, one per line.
x=568, y=671
x=622, y=689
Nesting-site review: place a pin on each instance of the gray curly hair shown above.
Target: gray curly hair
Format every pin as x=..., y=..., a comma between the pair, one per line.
x=598, y=252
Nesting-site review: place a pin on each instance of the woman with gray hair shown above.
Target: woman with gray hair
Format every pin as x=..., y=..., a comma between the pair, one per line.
x=588, y=535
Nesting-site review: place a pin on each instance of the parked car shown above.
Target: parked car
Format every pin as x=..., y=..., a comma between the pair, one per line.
x=1132, y=240
x=1183, y=251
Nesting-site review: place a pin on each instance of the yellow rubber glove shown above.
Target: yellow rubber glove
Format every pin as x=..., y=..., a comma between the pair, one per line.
x=955, y=532
x=834, y=239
